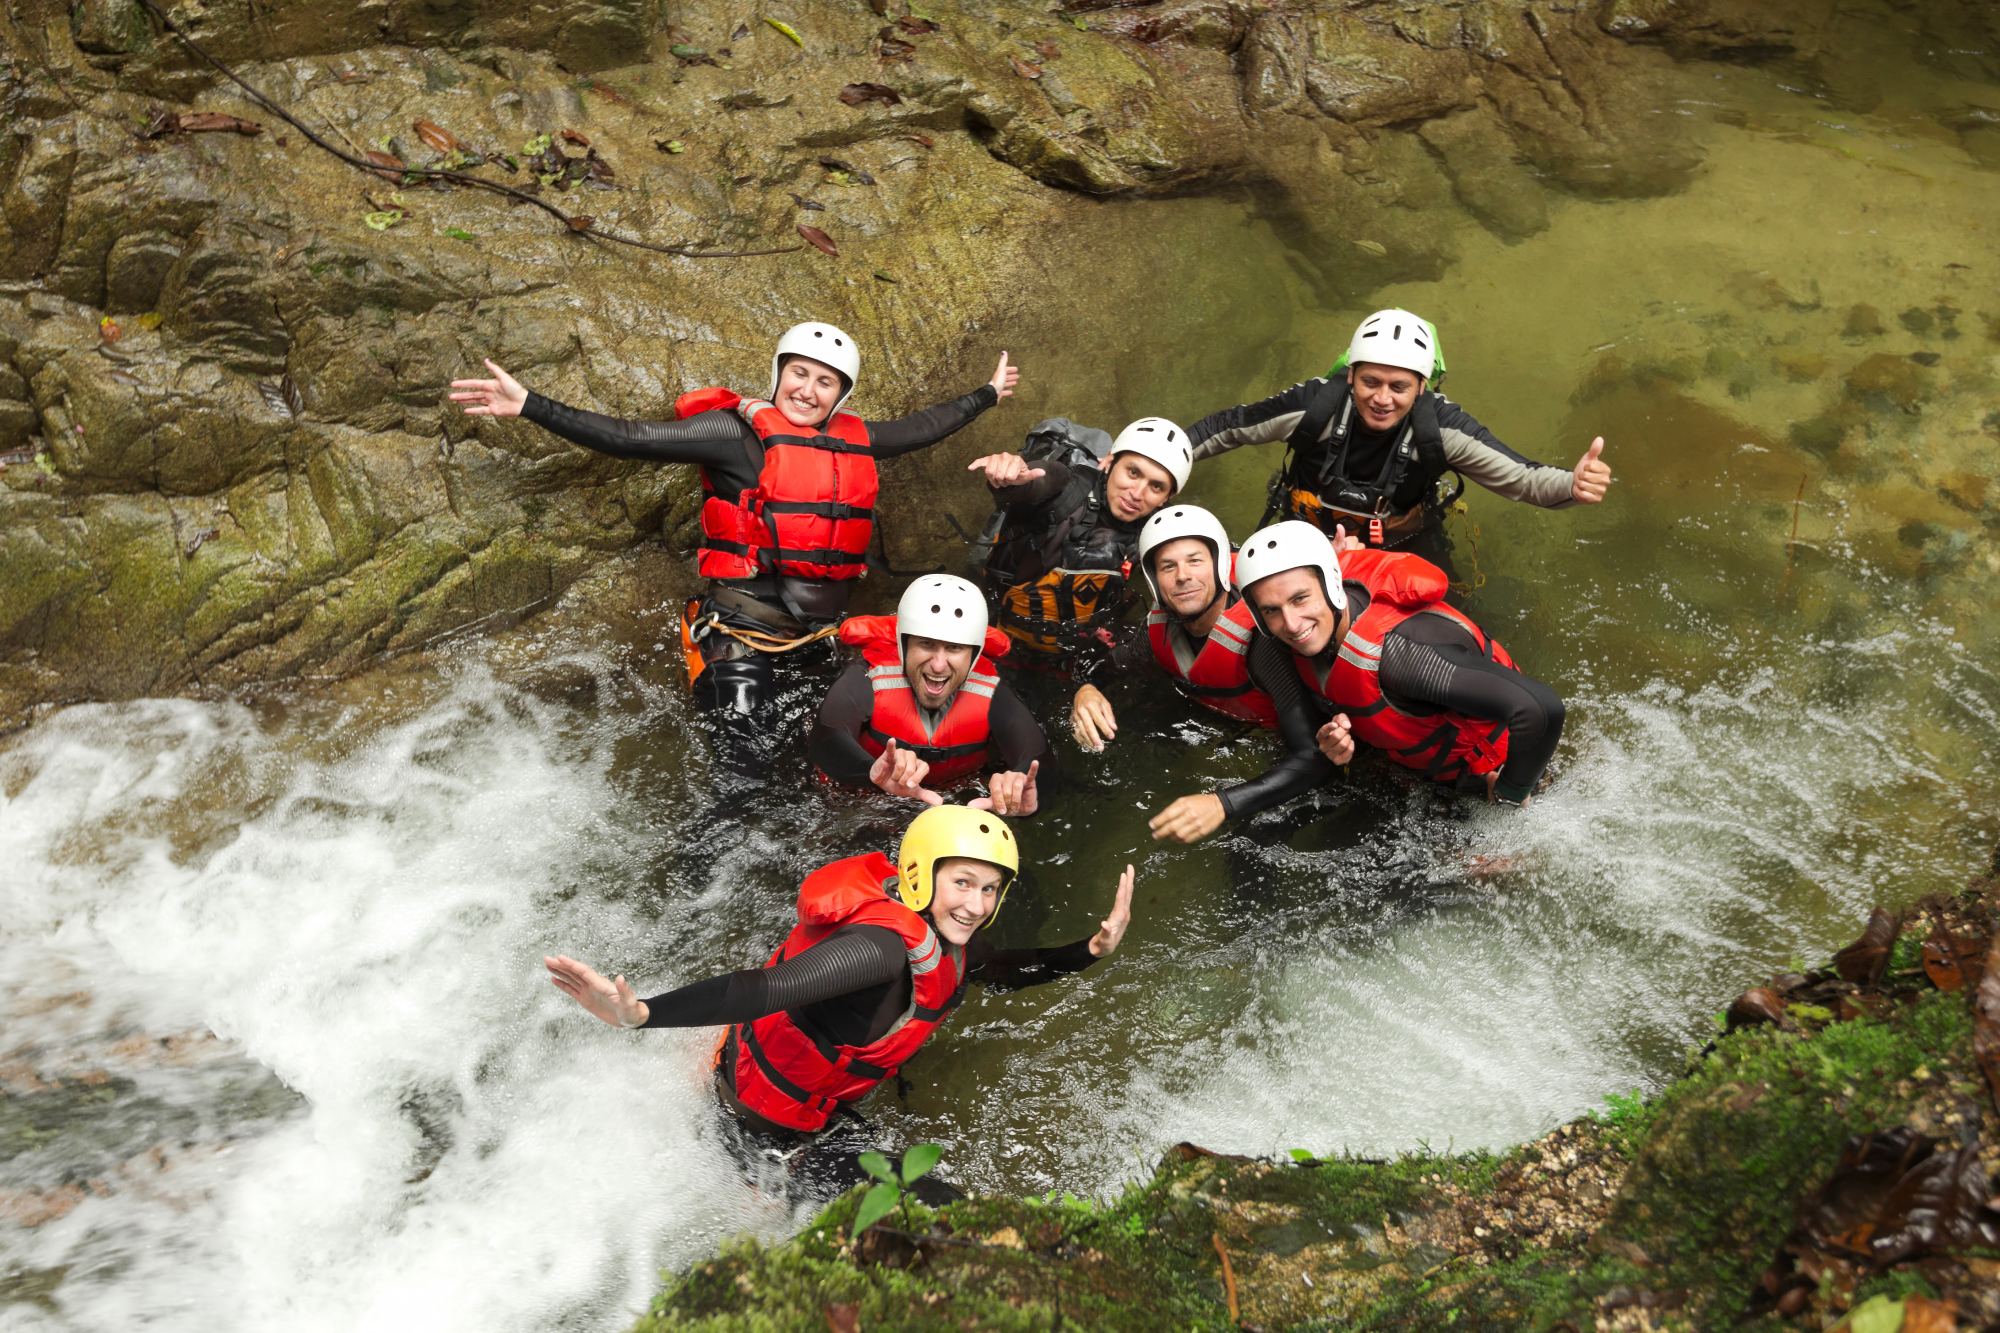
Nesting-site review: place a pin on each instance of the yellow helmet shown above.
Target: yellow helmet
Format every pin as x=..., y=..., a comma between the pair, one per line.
x=953, y=830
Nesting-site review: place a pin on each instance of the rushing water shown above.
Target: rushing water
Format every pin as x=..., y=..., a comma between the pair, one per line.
x=276, y=1046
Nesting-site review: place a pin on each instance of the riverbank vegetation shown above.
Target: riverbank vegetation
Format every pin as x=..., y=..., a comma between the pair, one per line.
x=1825, y=1157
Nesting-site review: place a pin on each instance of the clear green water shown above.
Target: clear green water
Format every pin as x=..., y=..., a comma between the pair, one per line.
x=397, y=1119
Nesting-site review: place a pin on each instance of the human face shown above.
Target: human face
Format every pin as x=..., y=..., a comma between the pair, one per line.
x=807, y=391
x=964, y=894
x=1383, y=393
x=936, y=670
x=1137, y=486
x=1293, y=607
x=1185, y=572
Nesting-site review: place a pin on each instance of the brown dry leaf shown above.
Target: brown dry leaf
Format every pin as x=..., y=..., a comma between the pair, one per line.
x=438, y=137
x=1867, y=958
x=1026, y=69
x=854, y=94
x=1921, y=1314
x=1941, y=959
x=581, y=222
x=571, y=136
x=197, y=122
x=1757, y=1005
x=611, y=93
x=388, y=168
x=1986, y=1023
x=844, y=1318
x=815, y=237
x=350, y=76
x=895, y=48
x=923, y=139
x=1047, y=49
x=916, y=26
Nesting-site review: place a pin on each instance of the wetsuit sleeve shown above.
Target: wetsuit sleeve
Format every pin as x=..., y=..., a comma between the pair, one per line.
x=835, y=747
x=922, y=429
x=1437, y=662
x=1477, y=455
x=710, y=439
x=1014, y=969
x=1303, y=766
x=851, y=959
x=1036, y=490
x=1254, y=423
x=1019, y=738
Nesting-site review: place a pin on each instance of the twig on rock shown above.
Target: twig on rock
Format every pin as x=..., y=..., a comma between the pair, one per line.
x=589, y=226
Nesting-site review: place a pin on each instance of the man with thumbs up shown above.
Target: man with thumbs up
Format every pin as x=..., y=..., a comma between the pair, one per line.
x=1369, y=442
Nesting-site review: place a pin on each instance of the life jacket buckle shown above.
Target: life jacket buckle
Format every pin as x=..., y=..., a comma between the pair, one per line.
x=1375, y=531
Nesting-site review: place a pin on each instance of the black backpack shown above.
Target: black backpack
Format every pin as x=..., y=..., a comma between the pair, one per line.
x=1059, y=440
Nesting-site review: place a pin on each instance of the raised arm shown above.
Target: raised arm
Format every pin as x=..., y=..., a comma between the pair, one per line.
x=1478, y=455
x=852, y=958
x=1013, y=969
x=923, y=429
x=708, y=438
x=1273, y=419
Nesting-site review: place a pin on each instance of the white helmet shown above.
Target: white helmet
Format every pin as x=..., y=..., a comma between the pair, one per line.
x=1171, y=523
x=1395, y=338
x=1161, y=441
x=1293, y=544
x=824, y=344
x=942, y=607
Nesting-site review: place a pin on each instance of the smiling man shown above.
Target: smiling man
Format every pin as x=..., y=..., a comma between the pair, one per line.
x=1368, y=443
x=919, y=712
x=1060, y=579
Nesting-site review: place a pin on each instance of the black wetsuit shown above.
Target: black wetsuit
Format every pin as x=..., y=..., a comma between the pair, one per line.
x=850, y=989
x=836, y=750
x=1040, y=551
x=734, y=685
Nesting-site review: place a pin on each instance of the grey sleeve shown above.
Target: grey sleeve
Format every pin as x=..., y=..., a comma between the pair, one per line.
x=1477, y=455
x=1266, y=422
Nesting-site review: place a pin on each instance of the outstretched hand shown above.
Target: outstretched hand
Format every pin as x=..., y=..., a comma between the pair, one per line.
x=1189, y=819
x=501, y=396
x=1005, y=470
x=1010, y=793
x=1342, y=543
x=902, y=773
x=1112, y=930
x=612, y=1001
x=1336, y=741
x=1005, y=377
x=1091, y=720
x=1592, y=474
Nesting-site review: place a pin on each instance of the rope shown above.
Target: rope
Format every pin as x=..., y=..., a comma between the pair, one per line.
x=762, y=642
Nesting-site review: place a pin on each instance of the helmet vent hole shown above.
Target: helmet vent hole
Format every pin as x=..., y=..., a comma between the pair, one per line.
x=958, y=611
x=984, y=829
x=936, y=609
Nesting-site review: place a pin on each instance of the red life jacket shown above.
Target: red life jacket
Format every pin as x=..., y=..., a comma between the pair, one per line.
x=790, y=1078
x=957, y=749
x=1444, y=745
x=812, y=513
x=1219, y=676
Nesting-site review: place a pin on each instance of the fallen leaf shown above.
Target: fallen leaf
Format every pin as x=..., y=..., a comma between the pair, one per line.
x=581, y=222
x=350, y=76
x=835, y=165
x=611, y=93
x=815, y=237
x=458, y=235
x=1941, y=959
x=750, y=99
x=894, y=48
x=686, y=52
x=806, y=203
x=283, y=398
x=384, y=219
x=1865, y=960
x=1986, y=1023
x=107, y=329
x=880, y=276
x=1373, y=247
x=916, y=26
x=197, y=122
x=854, y=94
x=200, y=539
x=438, y=137
x=1026, y=69
x=923, y=139
x=388, y=168
x=742, y=31
x=673, y=146
x=597, y=169
x=572, y=137
x=126, y=377
x=786, y=29
x=1921, y=1314
x=1047, y=49
x=1757, y=1005
x=844, y=1318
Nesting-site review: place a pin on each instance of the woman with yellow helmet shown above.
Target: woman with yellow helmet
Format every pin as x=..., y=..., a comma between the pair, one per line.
x=881, y=956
